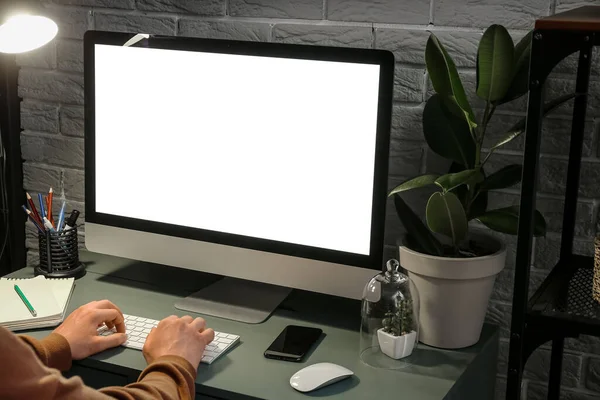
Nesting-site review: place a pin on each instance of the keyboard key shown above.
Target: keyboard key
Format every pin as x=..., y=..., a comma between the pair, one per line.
x=232, y=337
x=149, y=326
x=224, y=340
x=140, y=324
x=207, y=359
x=222, y=346
x=146, y=330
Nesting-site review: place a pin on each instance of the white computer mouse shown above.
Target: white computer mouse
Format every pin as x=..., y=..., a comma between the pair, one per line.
x=318, y=375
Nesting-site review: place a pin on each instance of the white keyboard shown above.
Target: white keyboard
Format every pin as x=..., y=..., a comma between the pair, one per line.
x=138, y=328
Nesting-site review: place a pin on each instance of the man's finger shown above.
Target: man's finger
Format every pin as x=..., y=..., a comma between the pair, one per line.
x=187, y=319
x=199, y=324
x=169, y=318
x=102, y=343
x=106, y=304
x=110, y=316
x=208, y=335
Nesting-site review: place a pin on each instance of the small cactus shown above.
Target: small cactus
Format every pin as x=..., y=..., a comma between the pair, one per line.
x=400, y=322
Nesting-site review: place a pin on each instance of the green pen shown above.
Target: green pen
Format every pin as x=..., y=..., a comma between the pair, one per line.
x=27, y=303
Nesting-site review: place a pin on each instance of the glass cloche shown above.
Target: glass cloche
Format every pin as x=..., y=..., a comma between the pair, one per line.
x=389, y=329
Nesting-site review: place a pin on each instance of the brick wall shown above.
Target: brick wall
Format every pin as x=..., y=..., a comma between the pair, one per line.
x=51, y=85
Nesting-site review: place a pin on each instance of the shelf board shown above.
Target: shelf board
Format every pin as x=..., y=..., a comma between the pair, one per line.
x=564, y=300
x=585, y=18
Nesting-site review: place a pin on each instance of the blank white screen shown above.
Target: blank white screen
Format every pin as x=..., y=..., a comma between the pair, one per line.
x=272, y=148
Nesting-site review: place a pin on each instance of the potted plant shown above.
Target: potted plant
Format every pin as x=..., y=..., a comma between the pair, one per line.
x=397, y=338
x=454, y=269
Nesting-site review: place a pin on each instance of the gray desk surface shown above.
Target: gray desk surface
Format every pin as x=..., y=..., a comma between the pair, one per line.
x=150, y=290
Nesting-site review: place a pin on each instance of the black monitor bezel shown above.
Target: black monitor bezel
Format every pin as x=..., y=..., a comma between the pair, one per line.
x=382, y=58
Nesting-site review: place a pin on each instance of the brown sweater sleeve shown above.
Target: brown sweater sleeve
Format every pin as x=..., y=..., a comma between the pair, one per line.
x=28, y=378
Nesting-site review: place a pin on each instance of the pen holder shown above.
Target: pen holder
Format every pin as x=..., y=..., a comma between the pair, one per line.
x=59, y=255
x=596, y=284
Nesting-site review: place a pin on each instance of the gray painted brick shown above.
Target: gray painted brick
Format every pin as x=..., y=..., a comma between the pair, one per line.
x=584, y=344
x=407, y=122
x=408, y=84
x=72, y=121
x=74, y=184
x=38, y=179
x=499, y=315
x=552, y=210
x=51, y=85
x=305, y=9
x=408, y=45
x=124, y=4
x=55, y=150
x=38, y=116
x=204, y=7
x=33, y=258
x=504, y=285
x=136, y=23
x=547, y=250
x=44, y=57
x=405, y=157
x=225, y=30
x=72, y=22
x=483, y=13
x=556, y=134
x=592, y=381
x=500, y=393
x=553, y=177
x=415, y=12
x=325, y=35
x=70, y=55
x=538, y=365
x=565, y=5
x=539, y=391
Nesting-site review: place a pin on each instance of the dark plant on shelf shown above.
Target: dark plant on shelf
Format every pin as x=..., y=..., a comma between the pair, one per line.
x=399, y=322
x=453, y=131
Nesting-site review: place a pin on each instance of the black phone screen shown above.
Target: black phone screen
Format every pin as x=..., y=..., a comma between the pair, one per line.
x=293, y=343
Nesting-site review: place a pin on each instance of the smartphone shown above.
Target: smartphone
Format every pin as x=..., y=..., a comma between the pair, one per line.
x=293, y=343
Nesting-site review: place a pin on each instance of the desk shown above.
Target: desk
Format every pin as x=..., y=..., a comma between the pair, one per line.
x=150, y=290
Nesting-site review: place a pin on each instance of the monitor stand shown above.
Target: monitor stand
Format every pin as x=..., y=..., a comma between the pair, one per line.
x=236, y=299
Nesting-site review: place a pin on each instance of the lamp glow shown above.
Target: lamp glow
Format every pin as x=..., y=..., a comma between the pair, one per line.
x=24, y=33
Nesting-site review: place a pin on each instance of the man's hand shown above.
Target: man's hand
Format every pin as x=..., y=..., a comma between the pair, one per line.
x=185, y=337
x=80, y=328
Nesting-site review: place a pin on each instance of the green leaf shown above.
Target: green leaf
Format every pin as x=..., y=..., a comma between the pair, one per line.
x=479, y=205
x=414, y=183
x=503, y=178
x=519, y=127
x=446, y=132
x=506, y=220
x=520, y=79
x=446, y=215
x=494, y=63
x=417, y=229
x=450, y=181
x=444, y=76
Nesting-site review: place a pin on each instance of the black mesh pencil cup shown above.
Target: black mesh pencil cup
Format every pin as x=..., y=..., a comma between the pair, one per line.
x=59, y=255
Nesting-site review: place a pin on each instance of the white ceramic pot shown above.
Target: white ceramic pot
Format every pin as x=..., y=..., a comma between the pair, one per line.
x=396, y=346
x=454, y=292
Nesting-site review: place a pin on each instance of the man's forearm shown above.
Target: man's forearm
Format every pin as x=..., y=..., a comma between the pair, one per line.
x=53, y=351
x=168, y=377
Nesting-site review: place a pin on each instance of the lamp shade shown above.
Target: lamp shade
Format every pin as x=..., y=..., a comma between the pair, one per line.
x=22, y=33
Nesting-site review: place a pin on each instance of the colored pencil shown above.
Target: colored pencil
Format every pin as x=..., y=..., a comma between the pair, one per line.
x=50, y=196
x=32, y=218
x=42, y=207
x=33, y=208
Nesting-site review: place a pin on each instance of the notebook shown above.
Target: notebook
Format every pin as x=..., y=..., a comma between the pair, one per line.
x=49, y=298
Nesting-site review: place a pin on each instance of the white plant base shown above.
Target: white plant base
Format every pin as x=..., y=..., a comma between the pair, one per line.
x=396, y=347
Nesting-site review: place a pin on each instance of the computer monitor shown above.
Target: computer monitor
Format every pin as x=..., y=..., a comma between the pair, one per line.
x=264, y=162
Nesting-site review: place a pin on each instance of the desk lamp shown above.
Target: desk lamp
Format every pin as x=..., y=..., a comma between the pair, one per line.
x=22, y=29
